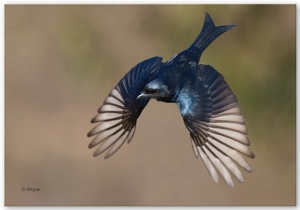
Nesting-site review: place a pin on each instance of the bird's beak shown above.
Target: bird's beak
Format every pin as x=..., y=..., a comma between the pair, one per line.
x=143, y=95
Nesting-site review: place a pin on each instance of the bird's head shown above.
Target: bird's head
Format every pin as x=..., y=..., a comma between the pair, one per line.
x=157, y=90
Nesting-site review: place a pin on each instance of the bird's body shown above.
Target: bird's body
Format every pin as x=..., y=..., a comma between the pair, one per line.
x=208, y=106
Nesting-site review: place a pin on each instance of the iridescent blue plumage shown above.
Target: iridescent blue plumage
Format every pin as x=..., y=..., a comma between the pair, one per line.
x=208, y=106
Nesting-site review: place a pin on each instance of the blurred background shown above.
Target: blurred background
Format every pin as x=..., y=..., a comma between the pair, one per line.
x=62, y=61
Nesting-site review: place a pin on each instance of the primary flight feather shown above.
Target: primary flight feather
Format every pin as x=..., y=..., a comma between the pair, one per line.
x=209, y=108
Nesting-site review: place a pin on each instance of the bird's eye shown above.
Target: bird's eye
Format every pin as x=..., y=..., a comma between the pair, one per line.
x=151, y=91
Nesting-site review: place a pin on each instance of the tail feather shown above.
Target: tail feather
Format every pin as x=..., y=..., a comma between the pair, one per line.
x=208, y=34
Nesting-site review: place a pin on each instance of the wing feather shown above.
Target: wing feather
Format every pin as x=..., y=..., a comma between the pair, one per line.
x=117, y=145
x=217, y=127
x=119, y=112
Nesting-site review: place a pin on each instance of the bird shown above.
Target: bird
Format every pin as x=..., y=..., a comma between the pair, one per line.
x=209, y=108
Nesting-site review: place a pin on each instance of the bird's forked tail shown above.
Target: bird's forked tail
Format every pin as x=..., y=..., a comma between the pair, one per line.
x=207, y=35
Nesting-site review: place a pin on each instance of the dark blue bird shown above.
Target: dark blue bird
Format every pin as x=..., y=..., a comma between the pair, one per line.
x=208, y=107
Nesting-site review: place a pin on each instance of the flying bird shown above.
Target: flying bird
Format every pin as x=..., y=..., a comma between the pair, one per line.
x=208, y=106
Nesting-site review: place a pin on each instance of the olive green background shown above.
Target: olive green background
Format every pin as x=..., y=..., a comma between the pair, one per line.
x=62, y=61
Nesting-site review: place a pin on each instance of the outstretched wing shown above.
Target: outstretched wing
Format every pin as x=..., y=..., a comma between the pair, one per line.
x=118, y=115
x=218, y=131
